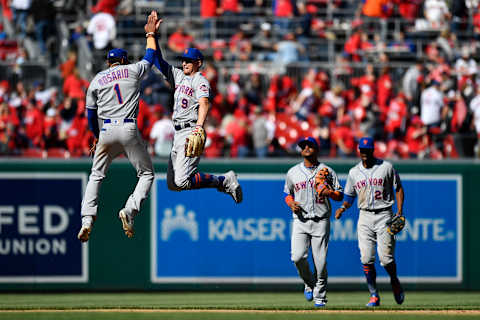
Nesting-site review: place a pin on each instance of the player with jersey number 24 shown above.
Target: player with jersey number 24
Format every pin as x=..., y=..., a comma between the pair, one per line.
x=112, y=108
x=376, y=184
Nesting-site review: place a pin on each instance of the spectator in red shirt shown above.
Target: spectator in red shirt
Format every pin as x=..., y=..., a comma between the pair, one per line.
x=145, y=119
x=215, y=140
x=396, y=116
x=384, y=89
x=230, y=10
x=476, y=24
x=180, y=40
x=76, y=134
x=6, y=129
x=366, y=83
x=408, y=9
x=236, y=132
x=344, y=138
x=107, y=6
x=74, y=86
x=281, y=92
x=417, y=138
x=208, y=11
x=284, y=11
x=69, y=65
x=353, y=44
x=33, y=122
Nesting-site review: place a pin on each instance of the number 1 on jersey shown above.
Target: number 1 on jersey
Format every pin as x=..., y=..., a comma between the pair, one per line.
x=116, y=87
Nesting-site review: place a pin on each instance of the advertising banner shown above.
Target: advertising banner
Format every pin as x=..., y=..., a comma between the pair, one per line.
x=202, y=236
x=39, y=221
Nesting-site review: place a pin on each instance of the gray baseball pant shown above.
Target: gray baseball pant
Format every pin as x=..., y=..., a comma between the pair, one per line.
x=115, y=139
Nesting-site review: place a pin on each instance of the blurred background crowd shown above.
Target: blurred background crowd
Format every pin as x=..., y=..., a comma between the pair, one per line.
x=401, y=71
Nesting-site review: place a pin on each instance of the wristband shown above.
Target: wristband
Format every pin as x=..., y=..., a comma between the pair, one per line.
x=343, y=207
x=149, y=34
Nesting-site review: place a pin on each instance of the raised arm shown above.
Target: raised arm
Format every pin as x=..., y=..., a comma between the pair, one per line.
x=158, y=61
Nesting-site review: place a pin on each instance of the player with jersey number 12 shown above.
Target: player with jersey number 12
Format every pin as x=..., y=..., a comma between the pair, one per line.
x=376, y=184
x=309, y=186
x=190, y=110
x=112, y=101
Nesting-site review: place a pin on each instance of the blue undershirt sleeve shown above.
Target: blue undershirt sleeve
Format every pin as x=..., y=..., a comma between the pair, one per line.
x=149, y=55
x=158, y=61
x=93, y=121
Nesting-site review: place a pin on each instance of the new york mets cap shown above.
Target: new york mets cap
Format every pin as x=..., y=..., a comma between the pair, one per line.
x=365, y=143
x=192, y=54
x=308, y=141
x=117, y=53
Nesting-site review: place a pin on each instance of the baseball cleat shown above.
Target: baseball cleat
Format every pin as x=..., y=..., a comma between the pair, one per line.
x=127, y=223
x=374, y=301
x=84, y=233
x=398, y=292
x=308, y=293
x=232, y=187
x=320, y=304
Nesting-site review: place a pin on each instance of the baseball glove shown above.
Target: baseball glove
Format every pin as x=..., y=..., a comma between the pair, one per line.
x=395, y=225
x=323, y=183
x=195, y=142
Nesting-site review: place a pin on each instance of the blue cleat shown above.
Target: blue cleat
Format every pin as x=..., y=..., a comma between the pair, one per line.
x=320, y=304
x=374, y=300
x=308, y=293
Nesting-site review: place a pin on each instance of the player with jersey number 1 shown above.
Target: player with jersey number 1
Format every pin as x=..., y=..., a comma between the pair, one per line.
x=376, y=184
x=190, y=110
x=112, y=101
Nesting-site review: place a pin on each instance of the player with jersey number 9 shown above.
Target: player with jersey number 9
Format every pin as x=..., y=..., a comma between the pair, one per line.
x=190, y=110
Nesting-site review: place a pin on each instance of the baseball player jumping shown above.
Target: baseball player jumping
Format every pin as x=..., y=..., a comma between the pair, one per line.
x=112, y=101
x=374, y=182
x=308, y=187
x=190, y=109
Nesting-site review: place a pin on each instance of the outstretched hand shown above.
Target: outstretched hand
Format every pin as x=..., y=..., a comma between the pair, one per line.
x=153, y=23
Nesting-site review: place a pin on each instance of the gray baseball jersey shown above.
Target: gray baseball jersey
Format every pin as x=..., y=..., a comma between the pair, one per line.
x=188, y=91
x=300, y=183
x=313, y=228
x=375, y=189
x=114, y=93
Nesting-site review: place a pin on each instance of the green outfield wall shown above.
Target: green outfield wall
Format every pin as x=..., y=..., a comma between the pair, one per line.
x=118, y=263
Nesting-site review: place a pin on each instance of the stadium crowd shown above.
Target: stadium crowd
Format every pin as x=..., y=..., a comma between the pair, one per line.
x=429, y=108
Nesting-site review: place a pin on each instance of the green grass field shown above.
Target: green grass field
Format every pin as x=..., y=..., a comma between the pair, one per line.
x=233, y=306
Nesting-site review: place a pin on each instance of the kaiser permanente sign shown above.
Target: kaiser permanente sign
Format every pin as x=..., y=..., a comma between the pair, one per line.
x=206, y=238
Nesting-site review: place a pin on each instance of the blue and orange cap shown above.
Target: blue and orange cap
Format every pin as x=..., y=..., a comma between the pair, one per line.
x=192, y=54
x=365, y=143
x=310, y=141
